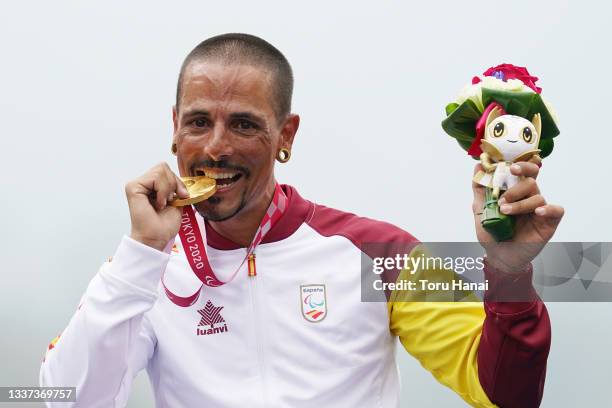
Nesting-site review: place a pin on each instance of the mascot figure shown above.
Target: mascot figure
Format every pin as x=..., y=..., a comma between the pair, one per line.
x=501, y=119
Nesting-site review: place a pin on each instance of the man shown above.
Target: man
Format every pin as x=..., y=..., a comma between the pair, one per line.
x=288, y=329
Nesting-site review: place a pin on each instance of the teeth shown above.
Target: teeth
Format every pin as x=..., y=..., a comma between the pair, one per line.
x=216, y=175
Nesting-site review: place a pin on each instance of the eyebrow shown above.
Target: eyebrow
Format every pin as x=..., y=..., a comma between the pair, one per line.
x=236, y=115
x=246, y=115
x=196, y=112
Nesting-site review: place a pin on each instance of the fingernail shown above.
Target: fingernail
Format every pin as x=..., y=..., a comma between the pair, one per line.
x=505, y=208
x=540, y=210
x=516, y=168
x=502, y=201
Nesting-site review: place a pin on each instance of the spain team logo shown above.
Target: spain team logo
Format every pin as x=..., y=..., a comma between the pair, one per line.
x=314, y=302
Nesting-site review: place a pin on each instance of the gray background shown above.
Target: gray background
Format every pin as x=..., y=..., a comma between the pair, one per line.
x=85, y=103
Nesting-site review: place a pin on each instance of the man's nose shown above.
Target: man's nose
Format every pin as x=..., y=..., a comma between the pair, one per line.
x=219, y=146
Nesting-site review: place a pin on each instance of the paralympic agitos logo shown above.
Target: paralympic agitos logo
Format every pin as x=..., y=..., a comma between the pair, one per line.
x=314, y=302
x=211, y=316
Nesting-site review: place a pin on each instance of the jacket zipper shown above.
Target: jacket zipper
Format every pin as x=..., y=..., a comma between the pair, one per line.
x=252, y=276
x=252, y=270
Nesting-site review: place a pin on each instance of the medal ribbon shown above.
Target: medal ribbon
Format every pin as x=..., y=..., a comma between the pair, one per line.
x=194, y=245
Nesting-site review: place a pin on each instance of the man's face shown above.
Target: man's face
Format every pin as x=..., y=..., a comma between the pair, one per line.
x=226, y=128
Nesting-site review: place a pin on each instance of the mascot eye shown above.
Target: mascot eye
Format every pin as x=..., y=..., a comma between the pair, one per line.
x=527, y=135
x=498, y=130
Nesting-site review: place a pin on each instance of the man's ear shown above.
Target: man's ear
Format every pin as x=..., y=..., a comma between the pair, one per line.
x=174, y=118
x=175, y=127
x=537, y=123
x=495, y=113
x=290, y=128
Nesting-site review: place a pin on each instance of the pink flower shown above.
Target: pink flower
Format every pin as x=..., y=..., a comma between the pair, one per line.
x=509, y=71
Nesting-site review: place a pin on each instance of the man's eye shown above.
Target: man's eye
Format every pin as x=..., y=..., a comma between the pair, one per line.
x=200, y=123
x=245, y=126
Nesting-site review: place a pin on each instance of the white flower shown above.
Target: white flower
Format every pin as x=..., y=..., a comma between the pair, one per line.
x=474, y=91
x=513, y=85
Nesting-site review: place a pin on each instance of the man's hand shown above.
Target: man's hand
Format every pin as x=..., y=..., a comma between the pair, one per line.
x=154, y=223
x=536, y=221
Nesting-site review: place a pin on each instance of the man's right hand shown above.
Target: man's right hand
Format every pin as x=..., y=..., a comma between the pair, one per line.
x=154, y=222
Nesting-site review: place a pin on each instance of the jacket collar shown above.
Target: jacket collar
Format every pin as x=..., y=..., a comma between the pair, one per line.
x=297, y=212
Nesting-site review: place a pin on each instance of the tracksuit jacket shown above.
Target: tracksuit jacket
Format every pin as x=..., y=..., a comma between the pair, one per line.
x=256, y=342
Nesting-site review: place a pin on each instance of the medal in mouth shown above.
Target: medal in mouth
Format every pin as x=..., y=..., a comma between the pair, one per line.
x=200, y=188
x=224, y=178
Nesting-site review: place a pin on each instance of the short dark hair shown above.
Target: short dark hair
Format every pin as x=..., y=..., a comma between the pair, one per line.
x=236, y=48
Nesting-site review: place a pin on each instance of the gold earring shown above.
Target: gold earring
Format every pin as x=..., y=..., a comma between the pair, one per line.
x=174, y=149
x=283, y=155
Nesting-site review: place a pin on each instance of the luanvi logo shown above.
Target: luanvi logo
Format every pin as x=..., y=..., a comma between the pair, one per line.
x=211, y=316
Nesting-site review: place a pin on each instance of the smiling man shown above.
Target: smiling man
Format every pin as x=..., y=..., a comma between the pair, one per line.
x=253, y=299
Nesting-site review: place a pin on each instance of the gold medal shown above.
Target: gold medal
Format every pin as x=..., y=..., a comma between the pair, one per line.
x=200, y=188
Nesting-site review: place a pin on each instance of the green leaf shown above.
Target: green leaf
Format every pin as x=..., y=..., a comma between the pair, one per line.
x=461, y=120
x=549, y=127
x=546, y=146
x=450, y=108
x=523, y=104
x=461, y=123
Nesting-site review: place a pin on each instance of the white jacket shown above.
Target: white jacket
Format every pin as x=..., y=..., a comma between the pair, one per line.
x=251, y=342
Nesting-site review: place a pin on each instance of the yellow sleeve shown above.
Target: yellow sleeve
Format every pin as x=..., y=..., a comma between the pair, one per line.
x=443, y=336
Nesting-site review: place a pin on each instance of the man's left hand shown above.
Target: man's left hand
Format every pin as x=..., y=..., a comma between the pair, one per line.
x=536, y=221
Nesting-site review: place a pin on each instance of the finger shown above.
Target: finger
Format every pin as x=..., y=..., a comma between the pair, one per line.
x=162, y=188
x=176, y=184
x=171, y=178
x=181, y=189
x=525, y=169
x=525, y=206
x=476, y=188
x=550, y=211
x=145, y=186
x=170, y=186
x=478, y=202
x=524, y=188
x=134, y=187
